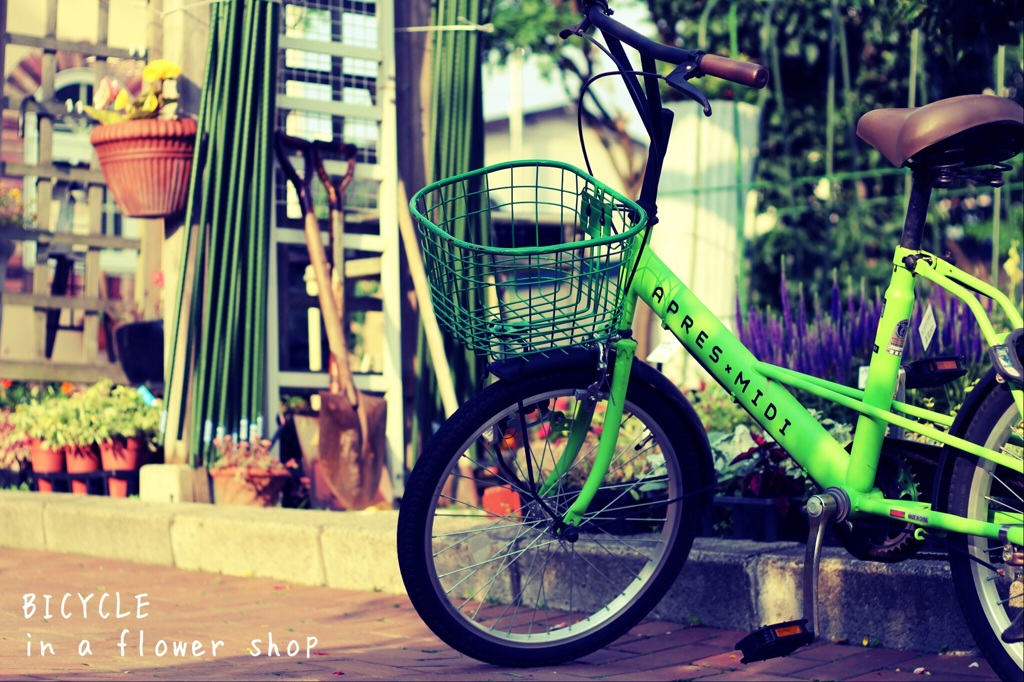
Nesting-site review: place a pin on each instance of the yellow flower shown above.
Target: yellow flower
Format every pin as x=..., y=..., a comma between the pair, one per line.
x=128, y=106
x=160, y=69
x=1012, y=265
x=123, y=100
x=150, y=104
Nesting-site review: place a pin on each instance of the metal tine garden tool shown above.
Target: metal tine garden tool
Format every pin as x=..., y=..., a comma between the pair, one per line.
x=354, y=474
x=338, y=415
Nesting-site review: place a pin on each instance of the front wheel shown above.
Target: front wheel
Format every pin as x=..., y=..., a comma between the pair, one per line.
x=987, y=574
x=501, y=581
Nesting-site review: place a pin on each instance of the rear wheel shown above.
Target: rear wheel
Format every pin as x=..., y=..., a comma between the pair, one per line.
x=508, y=585
x=987, y=573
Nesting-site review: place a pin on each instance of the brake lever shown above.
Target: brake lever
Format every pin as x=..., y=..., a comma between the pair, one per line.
x=679, y=80
x=577, y=30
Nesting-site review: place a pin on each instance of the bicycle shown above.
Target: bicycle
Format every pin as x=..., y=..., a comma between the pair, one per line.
x=602, y=464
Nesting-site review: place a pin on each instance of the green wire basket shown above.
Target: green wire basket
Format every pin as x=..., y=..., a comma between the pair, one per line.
x=527, y=257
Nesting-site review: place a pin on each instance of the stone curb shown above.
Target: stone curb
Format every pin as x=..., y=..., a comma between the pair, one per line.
x=731, y=584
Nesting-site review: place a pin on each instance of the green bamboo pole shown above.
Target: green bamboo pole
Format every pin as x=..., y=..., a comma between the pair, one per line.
x=268, y=113
x=224, y=412
x=254, y=225
x=455, y=111
x=741, y=213
x=211, y=329
x=830, y=105
x=997, y=201
x=252, y=230
x=201, y=270
x=198, y=317
x=198, y=165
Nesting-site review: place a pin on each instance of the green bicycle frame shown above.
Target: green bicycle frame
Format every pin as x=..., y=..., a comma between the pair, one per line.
x=761, y=389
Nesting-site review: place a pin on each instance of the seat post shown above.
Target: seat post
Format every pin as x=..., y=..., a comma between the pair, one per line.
x=917, y=208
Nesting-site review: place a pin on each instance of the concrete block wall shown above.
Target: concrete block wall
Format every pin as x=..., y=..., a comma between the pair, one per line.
x=729, y=584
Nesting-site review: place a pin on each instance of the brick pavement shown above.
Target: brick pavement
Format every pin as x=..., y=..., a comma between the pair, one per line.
x=358, y=635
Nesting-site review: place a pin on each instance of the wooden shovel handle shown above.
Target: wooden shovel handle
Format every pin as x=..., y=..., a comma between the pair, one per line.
x=343, y=370
x=329, y=309
x=317, y=259
x=336, y=198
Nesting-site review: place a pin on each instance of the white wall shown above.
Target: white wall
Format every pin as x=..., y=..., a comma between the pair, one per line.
x=698, y=234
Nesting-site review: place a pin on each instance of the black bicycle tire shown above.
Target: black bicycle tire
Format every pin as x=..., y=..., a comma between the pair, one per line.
x=991, y=414
x=435, y=463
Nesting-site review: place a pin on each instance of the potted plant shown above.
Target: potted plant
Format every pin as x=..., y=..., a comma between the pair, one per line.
x=244, y=472
x=40, y=429
x=14, y=451
x=138, y=338
x=122, y=426
x=78, y=434
x=760, y=489
x=145, y=151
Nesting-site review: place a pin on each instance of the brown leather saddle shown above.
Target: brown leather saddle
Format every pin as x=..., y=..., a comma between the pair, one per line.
x=969, y=130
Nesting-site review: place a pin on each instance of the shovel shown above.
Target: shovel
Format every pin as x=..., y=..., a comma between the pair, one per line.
x=344, y=421
x=353, y=472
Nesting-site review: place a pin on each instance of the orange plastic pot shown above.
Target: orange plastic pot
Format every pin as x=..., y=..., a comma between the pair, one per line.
x=81, y=459
x=45, y=460
x=501, y=501
x=122, y=454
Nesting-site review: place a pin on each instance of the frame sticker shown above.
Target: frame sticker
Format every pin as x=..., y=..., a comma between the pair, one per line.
x=898, y=338
x=927, y=327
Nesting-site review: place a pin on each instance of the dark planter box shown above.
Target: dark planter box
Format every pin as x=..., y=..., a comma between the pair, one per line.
x=757, y=518
x=140, y=349
x=622, y=514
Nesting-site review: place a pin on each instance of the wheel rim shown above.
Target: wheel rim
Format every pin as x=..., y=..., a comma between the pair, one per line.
x=989, y=492
x=513, y=578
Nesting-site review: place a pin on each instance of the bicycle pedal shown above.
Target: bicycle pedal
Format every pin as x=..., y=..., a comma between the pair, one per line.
x=773, y=641
x=932, y=372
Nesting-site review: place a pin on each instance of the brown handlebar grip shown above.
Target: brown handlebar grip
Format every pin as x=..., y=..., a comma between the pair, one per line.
x=744, y=73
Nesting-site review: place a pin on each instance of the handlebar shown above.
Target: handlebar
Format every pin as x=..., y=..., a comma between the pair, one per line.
x=743, y=73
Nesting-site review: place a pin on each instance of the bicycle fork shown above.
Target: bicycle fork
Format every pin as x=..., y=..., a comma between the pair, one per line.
x=625, y=351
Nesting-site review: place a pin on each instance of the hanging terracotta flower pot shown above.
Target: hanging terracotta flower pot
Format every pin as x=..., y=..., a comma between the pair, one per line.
x=122, y=454
x=81, y=459
x=45, y=460
x=147, y=163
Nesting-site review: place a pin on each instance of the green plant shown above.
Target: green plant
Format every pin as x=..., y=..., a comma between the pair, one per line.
x=131, y=415
x=114, y=102
x=42, y=420
x=83, y=417
x=717, y=409
x=752, y=464
x=641, y=465
x=14, y=393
